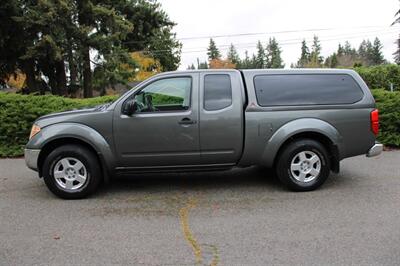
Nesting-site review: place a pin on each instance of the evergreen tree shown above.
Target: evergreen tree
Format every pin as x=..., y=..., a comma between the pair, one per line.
x=377, y=57
x=260, y=59
x=347, y=56
x=274, y=59
x=233, y=55
x=202, y=65
x=348, y=50
x=397, y=52
x=191, y=67
x=152, y=32
x=253, y=62
x=362, y=50
x=365, y=53
x=305, y=55
x=340, y=50
x=212, y=51
x=15, y=37
x=246, y=64
x=331, y=61
x=56, y=38
x=315, y=56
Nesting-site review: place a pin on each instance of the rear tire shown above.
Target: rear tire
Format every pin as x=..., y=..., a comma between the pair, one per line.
x=72, y=172
x=303, y=165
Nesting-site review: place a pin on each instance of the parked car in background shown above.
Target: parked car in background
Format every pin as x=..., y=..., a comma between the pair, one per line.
x=300, y=122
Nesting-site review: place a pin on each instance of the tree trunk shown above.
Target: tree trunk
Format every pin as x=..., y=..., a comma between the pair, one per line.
x=51, y=74
x=87, y=74
x=29, y=70
x=73, y=72
x=84, y=21
x=61, y=78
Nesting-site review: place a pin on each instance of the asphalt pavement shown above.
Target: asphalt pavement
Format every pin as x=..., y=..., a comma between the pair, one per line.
x=238, y=217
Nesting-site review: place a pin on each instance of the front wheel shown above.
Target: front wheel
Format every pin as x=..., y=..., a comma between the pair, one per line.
x=71, y=172
x=303, y=165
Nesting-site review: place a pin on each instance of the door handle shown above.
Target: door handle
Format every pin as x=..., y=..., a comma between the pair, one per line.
x=186, y=121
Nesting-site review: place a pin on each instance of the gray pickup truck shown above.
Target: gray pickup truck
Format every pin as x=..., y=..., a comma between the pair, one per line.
x=300, y=122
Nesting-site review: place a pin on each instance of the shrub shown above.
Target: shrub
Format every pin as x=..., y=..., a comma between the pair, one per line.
x=388, y=104
x=18, y=112
x=381, y=76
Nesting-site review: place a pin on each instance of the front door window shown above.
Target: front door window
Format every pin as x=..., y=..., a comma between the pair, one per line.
x=171, y=94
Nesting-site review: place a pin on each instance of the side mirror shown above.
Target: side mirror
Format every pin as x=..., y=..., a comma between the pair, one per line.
x=130, y=107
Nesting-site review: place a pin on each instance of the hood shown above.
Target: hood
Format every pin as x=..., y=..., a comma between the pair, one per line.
x=67, y=113
x=83, y=116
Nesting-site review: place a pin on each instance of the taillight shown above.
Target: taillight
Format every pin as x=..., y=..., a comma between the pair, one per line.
x=375, y=122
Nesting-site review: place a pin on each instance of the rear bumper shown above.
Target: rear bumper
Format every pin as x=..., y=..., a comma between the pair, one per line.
x=31, y=158
x=375, y=150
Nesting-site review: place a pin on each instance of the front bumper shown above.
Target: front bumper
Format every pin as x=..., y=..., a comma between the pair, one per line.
x=31, y=158
x=375, y=150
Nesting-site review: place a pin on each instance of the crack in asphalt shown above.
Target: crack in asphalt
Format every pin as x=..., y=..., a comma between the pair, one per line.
x=198, y=251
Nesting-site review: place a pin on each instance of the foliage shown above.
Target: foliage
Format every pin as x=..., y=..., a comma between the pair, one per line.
x=265, y=57
x=16, y=80
x=57, y=38
x=233, y=55
x=152, y=32
x=212, y=51
x=18, y=112
x=221, y=64
x=305, y=55
x=261, y=58
x=202, y=65
x=388, y=104
x=148, y=66
x=273, y=56
x=160, y=100
x=381, y=76
x=117, y=68
x=191, y=67
x=246, y=63
x=397, y=52
x=368, y=54
x=315, y=56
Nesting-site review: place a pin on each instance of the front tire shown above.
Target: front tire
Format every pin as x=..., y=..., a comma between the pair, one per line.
x=72, y=172
x=303, y=165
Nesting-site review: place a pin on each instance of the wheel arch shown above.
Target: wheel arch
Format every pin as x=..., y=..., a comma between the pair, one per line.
x=309, y=128
x=57, y=135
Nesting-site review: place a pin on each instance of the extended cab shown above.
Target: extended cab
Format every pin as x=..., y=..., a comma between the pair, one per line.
x=301, y=122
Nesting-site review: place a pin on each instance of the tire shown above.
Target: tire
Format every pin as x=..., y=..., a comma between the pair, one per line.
x=299, y=169
x=72, y=172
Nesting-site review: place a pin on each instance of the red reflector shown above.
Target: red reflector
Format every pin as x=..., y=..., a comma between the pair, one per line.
x=375, y=121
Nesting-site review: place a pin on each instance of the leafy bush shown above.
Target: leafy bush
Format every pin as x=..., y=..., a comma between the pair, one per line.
x=381, y=76
x=18, y=112
x=388, y=104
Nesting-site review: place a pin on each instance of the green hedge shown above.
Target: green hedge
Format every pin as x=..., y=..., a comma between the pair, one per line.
x=18, y=112
x=388, y=104
x=381, y=76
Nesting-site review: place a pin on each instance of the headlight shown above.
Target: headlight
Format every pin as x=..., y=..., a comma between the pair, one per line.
x=35, y=129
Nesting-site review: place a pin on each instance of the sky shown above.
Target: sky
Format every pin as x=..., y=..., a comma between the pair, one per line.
x=289, y=21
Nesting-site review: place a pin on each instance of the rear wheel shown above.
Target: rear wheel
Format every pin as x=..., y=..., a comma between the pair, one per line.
x=303, y=165
x=72, y=172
